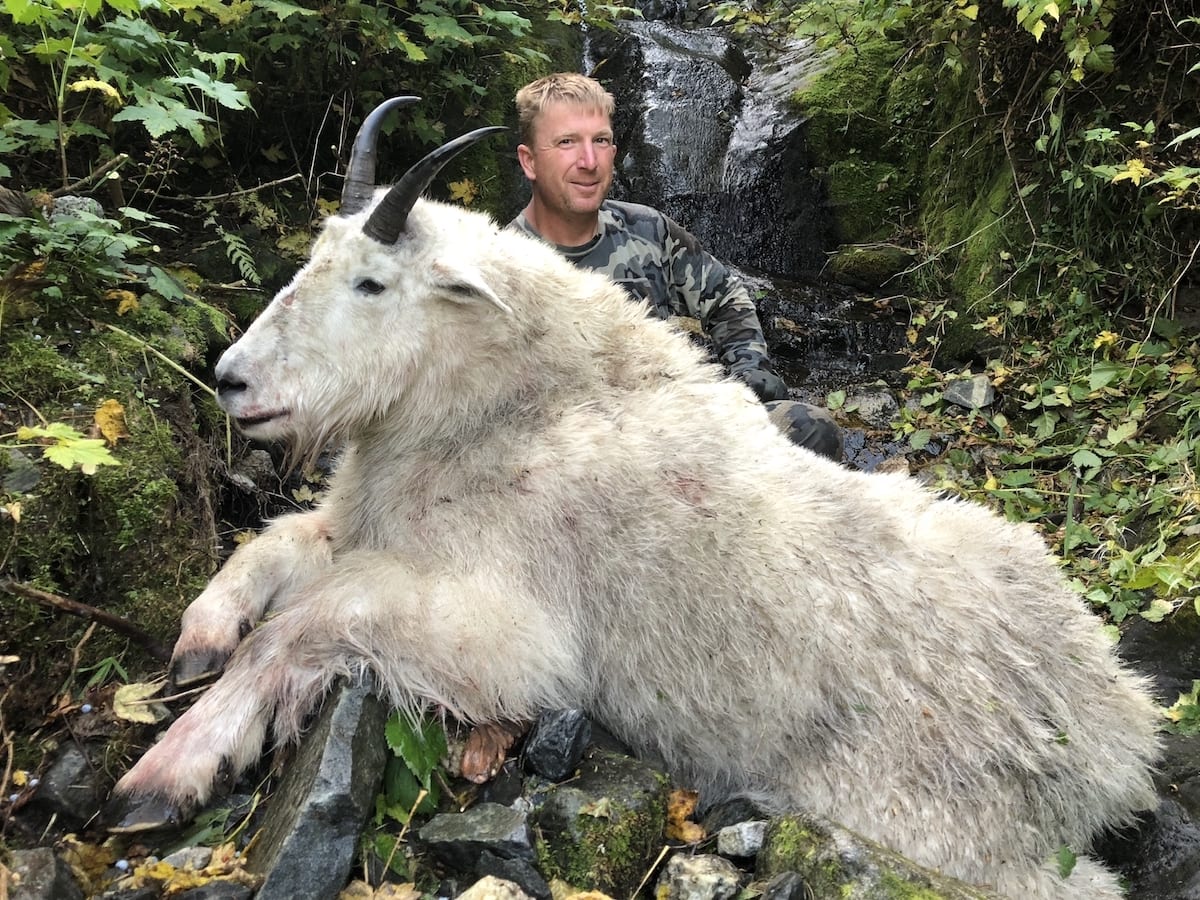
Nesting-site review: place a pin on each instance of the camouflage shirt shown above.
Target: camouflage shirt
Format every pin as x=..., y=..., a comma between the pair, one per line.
x=656, y=259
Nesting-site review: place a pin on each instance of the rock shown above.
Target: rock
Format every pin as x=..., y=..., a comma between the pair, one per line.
x=71, y=790
x=39, y=875
x=875, y=409
x=835, y=862
x=602, y=830
x=458, y=839
x=869, y=266
x=520, y=872
x=309, y=837
x=787, y=886
x=741, y=840
x=556, y=743
x=975, y=392
x=194, y=858
x=698, y=878
x=490, y=888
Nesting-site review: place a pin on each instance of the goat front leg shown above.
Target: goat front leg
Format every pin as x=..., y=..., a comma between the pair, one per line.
x=477, y=644
x=292, y=551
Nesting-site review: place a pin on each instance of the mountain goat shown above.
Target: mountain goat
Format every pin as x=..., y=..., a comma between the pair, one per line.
x=547, y=498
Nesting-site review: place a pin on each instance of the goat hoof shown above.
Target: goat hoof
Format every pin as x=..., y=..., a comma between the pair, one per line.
x=135, y=814
x=190, y=669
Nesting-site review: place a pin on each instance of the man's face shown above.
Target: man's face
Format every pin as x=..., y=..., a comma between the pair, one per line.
x=570, y=163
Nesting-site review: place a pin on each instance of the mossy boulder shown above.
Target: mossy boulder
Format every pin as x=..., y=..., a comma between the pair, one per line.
x=835, y=863
x=601, y=830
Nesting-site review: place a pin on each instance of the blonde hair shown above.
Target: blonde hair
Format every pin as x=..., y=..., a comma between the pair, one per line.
x=561, y=87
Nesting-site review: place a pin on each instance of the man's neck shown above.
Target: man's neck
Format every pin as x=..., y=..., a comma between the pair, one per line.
x=566, y=231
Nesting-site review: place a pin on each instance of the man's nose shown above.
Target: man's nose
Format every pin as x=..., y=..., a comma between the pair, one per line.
x=587, y=155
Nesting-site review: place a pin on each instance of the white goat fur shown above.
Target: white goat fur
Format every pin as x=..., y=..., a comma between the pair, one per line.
x=548, y=499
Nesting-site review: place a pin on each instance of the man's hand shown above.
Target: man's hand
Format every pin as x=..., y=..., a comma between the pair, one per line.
x=765, y=383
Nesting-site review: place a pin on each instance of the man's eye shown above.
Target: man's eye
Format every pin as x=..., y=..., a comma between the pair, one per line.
x=369, y=286
x=603, y=142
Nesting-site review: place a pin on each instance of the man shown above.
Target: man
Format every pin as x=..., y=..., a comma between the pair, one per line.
x=567, y=152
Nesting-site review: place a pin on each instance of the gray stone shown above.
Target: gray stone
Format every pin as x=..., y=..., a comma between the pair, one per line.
x=875, y=409
x=195, y=858
x=71, y=790
x=22, y=475
x=972, y=393
x=520, y=872
x=741, y=840
x=309, y=837
x=698, y=878
x=458, y=839
x=40, y=875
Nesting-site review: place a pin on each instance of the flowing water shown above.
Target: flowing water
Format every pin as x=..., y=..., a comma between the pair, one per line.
x=706, y=134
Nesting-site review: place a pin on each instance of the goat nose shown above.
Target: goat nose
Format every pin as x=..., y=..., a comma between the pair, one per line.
x=228, y=386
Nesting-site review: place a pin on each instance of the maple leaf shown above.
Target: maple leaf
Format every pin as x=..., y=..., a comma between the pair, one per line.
x=463, y=191
x=69, y=447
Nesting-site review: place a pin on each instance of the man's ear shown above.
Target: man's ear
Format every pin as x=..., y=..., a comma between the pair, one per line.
x=525, y=158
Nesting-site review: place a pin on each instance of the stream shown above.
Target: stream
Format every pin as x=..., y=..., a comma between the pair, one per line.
x=705, y=134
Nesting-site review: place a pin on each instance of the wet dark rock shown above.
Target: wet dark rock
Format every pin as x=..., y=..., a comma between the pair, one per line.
x=520, y=872
x=787, y=886
x=1160, y=857
x=458, y=839
x=146, y=892
x=698, y=878
x=40, y=875
x=70, y=792
x=556, y=743
x=603, y=829
x=310, y=835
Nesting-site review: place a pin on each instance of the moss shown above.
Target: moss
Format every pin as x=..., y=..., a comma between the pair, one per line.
x=602, y=830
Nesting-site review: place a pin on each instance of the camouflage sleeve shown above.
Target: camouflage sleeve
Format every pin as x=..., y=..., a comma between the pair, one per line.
x=719, y=299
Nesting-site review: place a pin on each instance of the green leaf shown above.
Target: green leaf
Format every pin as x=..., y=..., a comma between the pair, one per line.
x=70, y=448
x=1085, y=459
x=158, y=120
x=1066, y=861
x=920, y=438
x=421, y=744
x=222, y=92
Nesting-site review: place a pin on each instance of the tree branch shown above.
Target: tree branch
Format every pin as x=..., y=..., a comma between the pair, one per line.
x=75, y=608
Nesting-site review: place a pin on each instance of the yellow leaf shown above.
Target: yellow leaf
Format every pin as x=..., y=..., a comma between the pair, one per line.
x=1052, y=11
x=463, y=191
x=20, y=778
x=1105, y=339
x=1135, y=170
x=971, y=12
x=110, y=419
x=125, y=300
x=14, y=510
x=112, y=96
x=991, y=484
x=681, y=805
x=132, y=702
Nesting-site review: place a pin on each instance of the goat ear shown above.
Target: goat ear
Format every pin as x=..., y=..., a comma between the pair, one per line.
x=464, y=284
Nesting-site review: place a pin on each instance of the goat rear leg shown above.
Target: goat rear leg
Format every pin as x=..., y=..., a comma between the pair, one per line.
x=291, y=551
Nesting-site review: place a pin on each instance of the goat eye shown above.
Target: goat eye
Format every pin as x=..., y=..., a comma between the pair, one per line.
x=369, y=286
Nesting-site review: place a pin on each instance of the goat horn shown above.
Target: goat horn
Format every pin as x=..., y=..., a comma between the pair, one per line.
x=387, y=221
x=359, y=185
